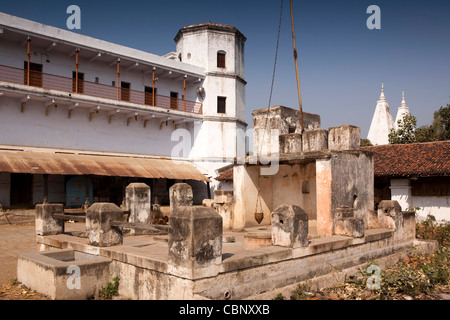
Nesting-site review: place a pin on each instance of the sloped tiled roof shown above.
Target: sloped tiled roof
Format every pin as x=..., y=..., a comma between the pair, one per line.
x=226, y=176
x=419, y=159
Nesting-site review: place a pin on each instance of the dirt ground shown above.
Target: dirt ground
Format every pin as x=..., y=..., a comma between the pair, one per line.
x=16, y=237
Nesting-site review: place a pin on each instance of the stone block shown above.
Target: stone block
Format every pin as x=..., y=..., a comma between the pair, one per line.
x=45, y=223
x=223, y=196
x=138, y=202
x=180, y=195
x=343, y=212
x=349, y=226
x=289, y=226
x=98, y=224
x=315, y=140
x=195, y=242
x=290, y=143
x=346, y=137
x=390, y=215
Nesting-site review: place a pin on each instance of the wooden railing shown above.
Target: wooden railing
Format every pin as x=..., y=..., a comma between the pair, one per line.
x=66, y=84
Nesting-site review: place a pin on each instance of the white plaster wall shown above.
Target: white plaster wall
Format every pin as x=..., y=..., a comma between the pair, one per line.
x=439, y=207
x=33, y=128
x=401, y=192
x=5, y=189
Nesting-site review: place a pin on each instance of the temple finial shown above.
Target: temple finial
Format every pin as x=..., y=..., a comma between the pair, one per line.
x=382, y=91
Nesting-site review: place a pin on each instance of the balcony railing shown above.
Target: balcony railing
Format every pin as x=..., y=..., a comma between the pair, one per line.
x=66, y=84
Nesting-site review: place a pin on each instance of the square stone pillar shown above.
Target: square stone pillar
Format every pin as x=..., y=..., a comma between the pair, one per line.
x=390, y=215
x=289, y=226
x=180, y=195
x=98, y=224
x=138, y=202
x=195, y=242
x=45, y=223
x=315, y=140
x=290, y=143
x=346, y=137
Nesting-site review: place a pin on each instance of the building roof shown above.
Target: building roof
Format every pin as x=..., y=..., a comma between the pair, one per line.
x=415, y=159
x=226, y=176
x=63, y=162
x=13, y=24
x=400, y=160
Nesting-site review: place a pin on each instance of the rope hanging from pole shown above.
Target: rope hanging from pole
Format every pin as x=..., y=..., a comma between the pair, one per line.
x=296, y=67
x=259, y=215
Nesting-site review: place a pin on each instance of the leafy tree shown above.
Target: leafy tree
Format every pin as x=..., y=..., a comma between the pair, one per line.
x=441, y=123
x=366, y=143
x=439, y=129
x=405, y=132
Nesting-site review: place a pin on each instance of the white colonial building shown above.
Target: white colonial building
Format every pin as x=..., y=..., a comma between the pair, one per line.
x=65, y=97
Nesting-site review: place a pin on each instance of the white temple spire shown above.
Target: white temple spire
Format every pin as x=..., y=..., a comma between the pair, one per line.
x=402, y=110
x=382, y=121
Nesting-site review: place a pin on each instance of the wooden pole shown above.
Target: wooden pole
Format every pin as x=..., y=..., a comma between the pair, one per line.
x=76, y=70
x=28, y=60
x=184, y=93
x=153, y=89
x=118, y=78
x=296, y=67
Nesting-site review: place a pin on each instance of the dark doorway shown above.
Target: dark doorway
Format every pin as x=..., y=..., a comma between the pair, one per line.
x=125, y=91
x=80, y=82
x=149, y=96
x=21, y=189
x=35, y=74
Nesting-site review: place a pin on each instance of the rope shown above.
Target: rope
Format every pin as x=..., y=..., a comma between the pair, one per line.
x=258, y=196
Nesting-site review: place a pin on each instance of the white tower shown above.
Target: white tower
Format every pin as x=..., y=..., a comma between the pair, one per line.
x=382, y=122
x=402, y=110
x=219, y=49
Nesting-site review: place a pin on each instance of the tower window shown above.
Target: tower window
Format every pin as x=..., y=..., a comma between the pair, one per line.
x=221, y=104
x=221, y=59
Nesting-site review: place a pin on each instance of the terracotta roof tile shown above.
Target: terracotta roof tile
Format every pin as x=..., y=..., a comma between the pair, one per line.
x=403, y=160
x=226, y=176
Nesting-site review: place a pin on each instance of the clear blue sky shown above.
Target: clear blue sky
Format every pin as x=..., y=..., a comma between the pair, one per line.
x=342, y=62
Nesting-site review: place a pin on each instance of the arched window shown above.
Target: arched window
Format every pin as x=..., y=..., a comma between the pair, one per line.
x=221, y=59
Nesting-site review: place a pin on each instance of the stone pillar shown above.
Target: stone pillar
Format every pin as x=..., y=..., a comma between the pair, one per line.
x=180, y=195
x=315, y=140
x=195, y=242
x=346, y=137
x=138, y=202
x=346, y=224
x=289, y=226
x=290, y=143
x=45, y=223
x=390, y=215
x=224, y=204
x=98, y=224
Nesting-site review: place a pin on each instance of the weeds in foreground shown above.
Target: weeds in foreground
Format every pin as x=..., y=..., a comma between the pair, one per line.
x=111, y=289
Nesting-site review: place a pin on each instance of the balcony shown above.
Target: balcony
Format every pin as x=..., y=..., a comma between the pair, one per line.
x=66, y=84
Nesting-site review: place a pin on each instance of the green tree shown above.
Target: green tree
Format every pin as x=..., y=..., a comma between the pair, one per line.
x=405, y=132
x=441, y=123
x=439, y=130
x=366, y=143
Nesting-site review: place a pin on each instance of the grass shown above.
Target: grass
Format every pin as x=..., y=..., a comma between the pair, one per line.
x=417, y=276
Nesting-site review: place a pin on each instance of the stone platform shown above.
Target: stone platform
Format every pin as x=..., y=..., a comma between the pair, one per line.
x=141, y=262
